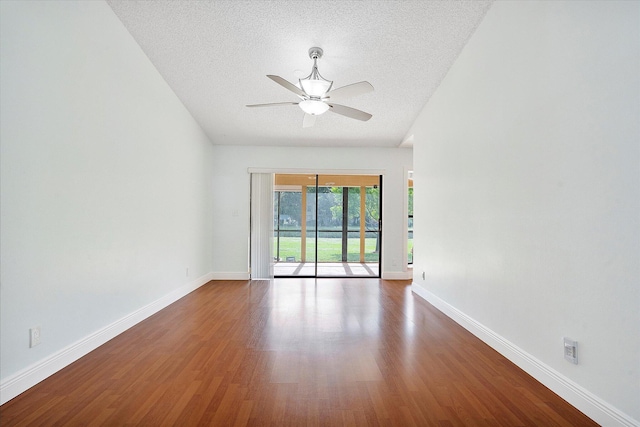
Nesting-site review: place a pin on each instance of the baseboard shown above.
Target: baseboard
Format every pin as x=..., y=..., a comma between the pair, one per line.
x=591, y=405
x=12, y=386
x=397, y=275
x=230, y=276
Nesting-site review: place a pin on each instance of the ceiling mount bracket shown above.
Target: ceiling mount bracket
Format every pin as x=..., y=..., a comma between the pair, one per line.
x=315, y=53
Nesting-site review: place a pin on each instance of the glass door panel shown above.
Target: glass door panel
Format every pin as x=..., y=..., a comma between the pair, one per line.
x=287, y=231
x=310, y=220
x=327, y=225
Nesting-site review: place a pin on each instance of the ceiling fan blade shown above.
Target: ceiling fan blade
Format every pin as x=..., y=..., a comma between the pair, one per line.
x=273, y=104
x=308, y=121
x=350, y=112
x=282, y=82
x=349, y=91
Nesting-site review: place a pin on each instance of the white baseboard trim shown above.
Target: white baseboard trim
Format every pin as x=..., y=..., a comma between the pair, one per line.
x=590, y=404
x=19, y=382
x=230, y=276
x=397, y=275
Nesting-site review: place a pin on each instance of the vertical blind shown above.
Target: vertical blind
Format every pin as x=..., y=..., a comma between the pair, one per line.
x=262, y=225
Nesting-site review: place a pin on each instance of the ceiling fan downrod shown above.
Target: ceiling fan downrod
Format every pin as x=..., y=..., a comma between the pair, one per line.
x=325, y=85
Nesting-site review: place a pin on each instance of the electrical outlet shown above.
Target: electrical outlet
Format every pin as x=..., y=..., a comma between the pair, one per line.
x=34, y=336
x=424, y=275
x=571, y=351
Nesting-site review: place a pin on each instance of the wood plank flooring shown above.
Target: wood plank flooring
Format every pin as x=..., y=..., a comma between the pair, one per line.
x=298, y=352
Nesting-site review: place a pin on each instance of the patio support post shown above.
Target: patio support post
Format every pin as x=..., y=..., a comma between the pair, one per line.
x=303, y=226
x=363, y=200
x=345, y=223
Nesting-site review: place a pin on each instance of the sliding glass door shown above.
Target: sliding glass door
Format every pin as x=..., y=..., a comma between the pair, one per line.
x=327, y=225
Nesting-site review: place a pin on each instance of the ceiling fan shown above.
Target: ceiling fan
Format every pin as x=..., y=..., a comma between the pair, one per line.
x=316, y=96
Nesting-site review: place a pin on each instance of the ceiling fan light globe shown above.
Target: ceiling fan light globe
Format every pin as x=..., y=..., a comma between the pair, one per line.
x=313, y=107
x=315, y=88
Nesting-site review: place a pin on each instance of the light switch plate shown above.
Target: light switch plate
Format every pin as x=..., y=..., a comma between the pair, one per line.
x=571, y=351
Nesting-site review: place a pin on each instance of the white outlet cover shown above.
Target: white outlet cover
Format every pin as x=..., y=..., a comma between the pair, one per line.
x=34, y=336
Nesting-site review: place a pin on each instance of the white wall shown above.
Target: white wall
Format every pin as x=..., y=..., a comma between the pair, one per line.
x=527, y=207
x=105, y=179
x=232, y=185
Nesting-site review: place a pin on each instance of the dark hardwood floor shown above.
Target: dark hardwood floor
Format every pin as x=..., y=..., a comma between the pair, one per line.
x=294, y=352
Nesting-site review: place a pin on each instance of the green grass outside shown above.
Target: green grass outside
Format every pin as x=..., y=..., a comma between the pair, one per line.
x=329, y=249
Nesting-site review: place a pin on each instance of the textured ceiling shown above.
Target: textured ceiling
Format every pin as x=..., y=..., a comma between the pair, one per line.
x=215, y=55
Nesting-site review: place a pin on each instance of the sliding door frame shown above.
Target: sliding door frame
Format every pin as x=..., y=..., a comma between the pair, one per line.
x=317, y=173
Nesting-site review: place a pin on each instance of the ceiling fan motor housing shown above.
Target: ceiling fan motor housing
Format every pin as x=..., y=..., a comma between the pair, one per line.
x=315, y=53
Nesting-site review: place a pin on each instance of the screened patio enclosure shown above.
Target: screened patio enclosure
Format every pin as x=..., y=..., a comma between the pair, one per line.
x=327, y=225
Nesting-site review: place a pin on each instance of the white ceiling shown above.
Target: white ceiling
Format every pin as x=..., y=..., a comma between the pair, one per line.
x=215, y=55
